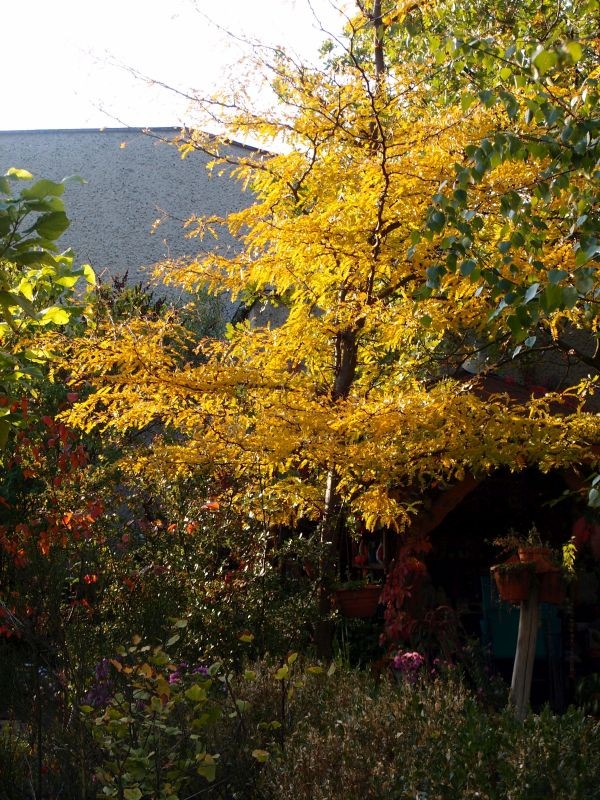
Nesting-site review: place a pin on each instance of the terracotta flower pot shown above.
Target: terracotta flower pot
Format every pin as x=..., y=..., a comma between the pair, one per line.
x=552, y=586
x=360, y=602
x=540, y=556
x=514, y=585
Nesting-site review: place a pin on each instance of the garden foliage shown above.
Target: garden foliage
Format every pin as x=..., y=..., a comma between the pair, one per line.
x=435, y=202
x=170, y=525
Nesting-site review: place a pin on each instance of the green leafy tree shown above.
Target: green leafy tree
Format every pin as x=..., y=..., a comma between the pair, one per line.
x=535, y=251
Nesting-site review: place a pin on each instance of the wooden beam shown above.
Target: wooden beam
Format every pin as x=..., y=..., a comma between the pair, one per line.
x=520, y=690
x=429, y=519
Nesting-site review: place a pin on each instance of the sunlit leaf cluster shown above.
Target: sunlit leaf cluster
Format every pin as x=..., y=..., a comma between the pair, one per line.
x=413, y=218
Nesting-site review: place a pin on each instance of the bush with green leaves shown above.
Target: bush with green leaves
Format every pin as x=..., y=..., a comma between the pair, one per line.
x=171, y=555
x=434, y=741
x=163, y=727
x=37, y=283
x=148, y=720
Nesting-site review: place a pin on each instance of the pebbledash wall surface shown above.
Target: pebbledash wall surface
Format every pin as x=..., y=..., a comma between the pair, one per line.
x=133, y=178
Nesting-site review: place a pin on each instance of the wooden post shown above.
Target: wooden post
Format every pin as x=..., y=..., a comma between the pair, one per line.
x=520, y=689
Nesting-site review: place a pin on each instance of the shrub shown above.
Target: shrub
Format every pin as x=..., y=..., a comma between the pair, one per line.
x=147, y=718
x=433, y=741
x=13, y=762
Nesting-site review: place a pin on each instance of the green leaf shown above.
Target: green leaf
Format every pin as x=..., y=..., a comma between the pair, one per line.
x=54, y=314
x=208, y=769
x=436, y=221
x=545, y=60
x=516, y=328
x=67, y=281
x=26, y=289
x=260, y=755
x=594, y=498
x=584, y=281
x=173, y=639
x=587, y=250
x=196, y=693
x=434, y=275
x=132, y=794
x=43, y=188
x=551, y=298
x=89, y=274
x=570, y=296
x=467, y=267
x=575, y=50
x=556, y=275
x=51, y=226
x=487, y=97
x=466, y=101
x=19, y=174
x=9, y=300
x=282, y=673
x=531, y=292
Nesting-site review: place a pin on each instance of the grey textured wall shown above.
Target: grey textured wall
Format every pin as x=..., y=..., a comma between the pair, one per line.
x=132, y=179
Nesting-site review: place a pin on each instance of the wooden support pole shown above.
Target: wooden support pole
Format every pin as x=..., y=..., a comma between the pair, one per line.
x=520, y=689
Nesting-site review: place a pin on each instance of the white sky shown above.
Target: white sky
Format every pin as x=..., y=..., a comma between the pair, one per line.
x=58, y=55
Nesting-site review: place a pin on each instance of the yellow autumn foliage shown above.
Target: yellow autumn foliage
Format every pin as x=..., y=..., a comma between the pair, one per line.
x=356, y=381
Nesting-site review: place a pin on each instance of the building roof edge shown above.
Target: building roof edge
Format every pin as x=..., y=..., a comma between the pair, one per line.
x=148, y=129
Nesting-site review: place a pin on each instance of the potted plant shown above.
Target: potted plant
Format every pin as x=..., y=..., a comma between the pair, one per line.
x=529, y=548
x=514, y=580
x=543, y=563
x=552, y=586
x=358, y=598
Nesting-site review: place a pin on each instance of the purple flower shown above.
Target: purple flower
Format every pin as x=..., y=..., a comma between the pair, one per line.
x=408, y=664
x=99, y=695
x=101, y=692
x=103, y=670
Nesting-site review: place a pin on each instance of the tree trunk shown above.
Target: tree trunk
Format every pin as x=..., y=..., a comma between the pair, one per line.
x=345, y=369
x=378, y=36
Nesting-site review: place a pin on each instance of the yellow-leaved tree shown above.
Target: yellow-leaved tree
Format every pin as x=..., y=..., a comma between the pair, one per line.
x=380, y=232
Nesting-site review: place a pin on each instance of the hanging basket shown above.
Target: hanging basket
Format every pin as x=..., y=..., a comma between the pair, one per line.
x=360, y=602
x=541, y=557
x=552, y=586
x=513, y=581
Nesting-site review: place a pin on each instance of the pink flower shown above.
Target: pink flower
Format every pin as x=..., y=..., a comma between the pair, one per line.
x=408, y=664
